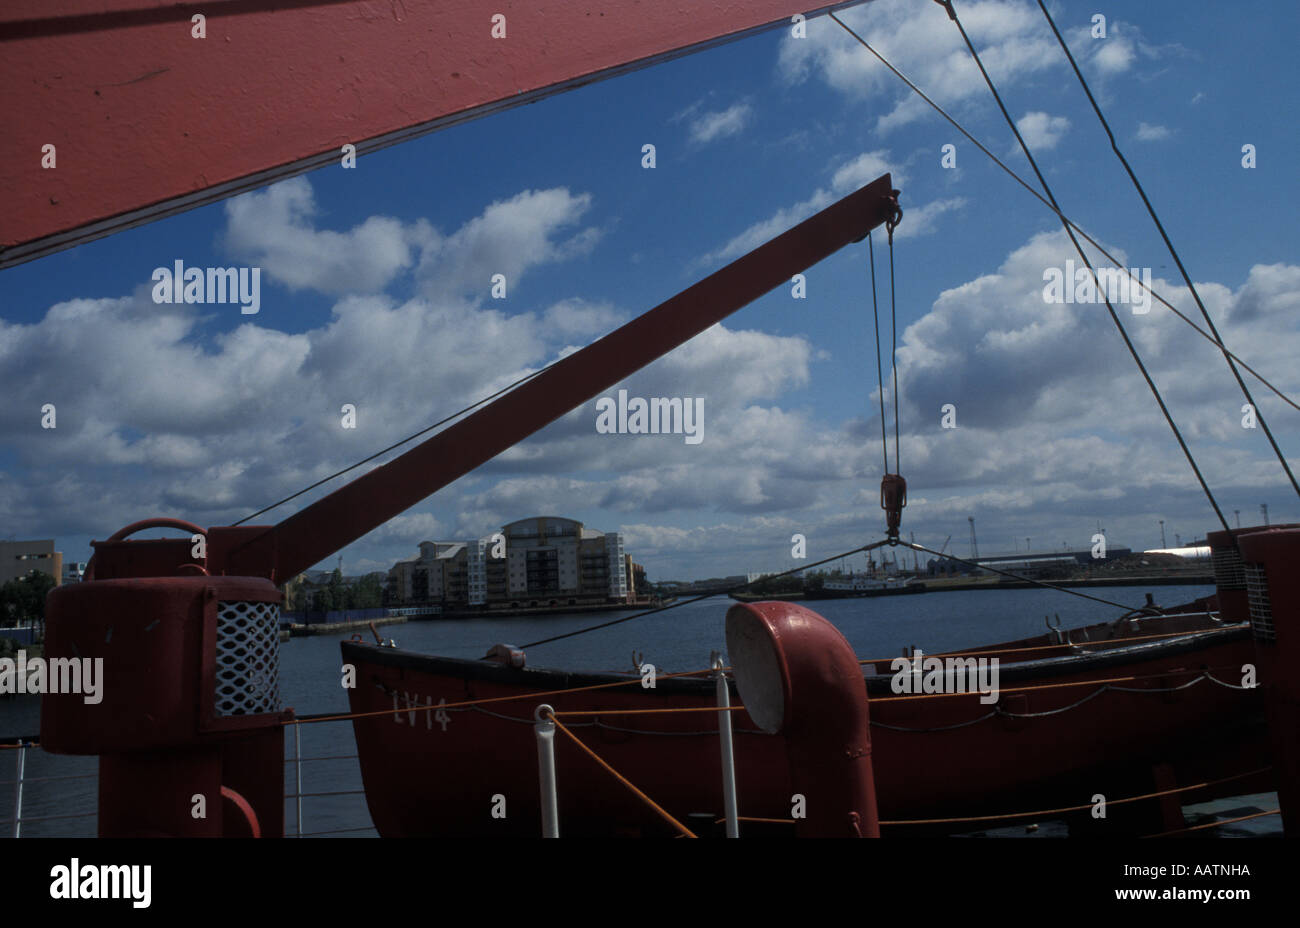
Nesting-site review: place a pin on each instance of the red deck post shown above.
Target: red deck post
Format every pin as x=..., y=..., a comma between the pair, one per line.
x=187, y=713
x=1229, y=572
x=1273, y=591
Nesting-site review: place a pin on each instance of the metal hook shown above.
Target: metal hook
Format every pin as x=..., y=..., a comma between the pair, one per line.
x=895, y=215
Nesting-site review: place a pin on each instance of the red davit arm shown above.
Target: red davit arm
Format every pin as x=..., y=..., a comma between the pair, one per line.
x=331, y=523
x=147, y=120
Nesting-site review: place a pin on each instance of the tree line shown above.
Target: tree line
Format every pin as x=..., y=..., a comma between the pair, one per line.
x=365, y=593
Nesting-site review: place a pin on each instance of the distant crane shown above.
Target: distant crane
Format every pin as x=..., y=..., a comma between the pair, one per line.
x=942, y=548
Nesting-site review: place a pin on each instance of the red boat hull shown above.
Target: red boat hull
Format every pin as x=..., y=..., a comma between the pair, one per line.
x=428, y=774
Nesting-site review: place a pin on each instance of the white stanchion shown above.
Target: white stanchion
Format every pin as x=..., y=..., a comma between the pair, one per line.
x=728, y=758
x=544, y=726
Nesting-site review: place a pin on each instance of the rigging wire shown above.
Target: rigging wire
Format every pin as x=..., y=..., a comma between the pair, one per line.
x=1042, y=199
x=893, y=329
x=976, y=142
x=695, y=599
x=1170, y=245
x=398, y=444
x=1137, y=359
x=869, y=547
x=1006, y=573
x=1070, y=228
x=880, y=386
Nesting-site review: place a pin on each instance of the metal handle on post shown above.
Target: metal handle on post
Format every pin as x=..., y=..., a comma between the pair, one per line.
x=728, y=759
x=544, y=726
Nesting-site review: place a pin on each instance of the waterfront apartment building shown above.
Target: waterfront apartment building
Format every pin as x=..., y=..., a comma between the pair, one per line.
x=18, y=558
x=538, y=561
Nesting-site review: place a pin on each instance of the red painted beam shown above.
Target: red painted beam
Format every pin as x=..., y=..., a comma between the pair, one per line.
x=146, y=120
x=348, y=513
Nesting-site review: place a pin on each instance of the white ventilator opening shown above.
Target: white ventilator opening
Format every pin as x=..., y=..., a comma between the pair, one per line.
x=756, y=668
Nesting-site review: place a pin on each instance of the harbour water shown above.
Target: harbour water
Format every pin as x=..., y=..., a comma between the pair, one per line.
x=675, y=640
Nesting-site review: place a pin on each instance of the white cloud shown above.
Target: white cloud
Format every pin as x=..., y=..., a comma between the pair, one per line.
x=709, y=127
x=923, y=219
x=1114, y=54
x=863, y=169
x=157, y=415
x=766, y=229
x=846, y=178
x=510, y=237
x=273, y=228
x=575, y=317
x=1041, y=131
x=919, y=39
x=408, y=530
x=1055, y=427
x=1037, y=374
x=1149, y=133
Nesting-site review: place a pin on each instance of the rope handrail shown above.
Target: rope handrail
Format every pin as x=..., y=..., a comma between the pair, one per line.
x=469, y=703
x=998, y=710
x=74, y=776
x=1062, y=685
x=338, y=792
x=1078, y=808
x=586, y=712
x=50, y=818
x=1226, y=821
x=1048, y=647
x=755, y=818
x=663, y=813
x=335, y=831
x=1044, y=812
x=1105, y=685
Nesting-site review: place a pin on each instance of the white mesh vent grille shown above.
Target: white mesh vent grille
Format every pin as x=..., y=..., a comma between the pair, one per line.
x=1261, y=610
x=1229, y=571
x=248, y=658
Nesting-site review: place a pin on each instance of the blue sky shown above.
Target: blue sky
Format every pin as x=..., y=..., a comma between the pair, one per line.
x=375, y=292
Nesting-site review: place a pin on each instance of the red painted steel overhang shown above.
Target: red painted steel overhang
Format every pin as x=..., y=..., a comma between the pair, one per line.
x=149, y=121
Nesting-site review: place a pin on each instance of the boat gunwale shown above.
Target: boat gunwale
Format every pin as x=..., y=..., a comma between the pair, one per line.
x=546, y=678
